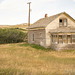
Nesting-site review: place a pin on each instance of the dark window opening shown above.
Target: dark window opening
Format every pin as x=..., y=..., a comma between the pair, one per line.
x=60, y=22
x=63, y=22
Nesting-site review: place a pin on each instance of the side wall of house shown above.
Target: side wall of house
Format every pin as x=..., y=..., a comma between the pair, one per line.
x=37, y=37
x=54, y=25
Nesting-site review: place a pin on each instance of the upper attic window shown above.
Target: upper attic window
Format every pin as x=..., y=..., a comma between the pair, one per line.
x=65, y=22
x=62, y=22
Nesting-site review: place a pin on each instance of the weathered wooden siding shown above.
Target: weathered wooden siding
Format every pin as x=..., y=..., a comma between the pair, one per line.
x=54, y=25
x=40, y=40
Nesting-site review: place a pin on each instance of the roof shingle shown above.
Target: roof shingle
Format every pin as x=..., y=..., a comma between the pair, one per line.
x=45, y=21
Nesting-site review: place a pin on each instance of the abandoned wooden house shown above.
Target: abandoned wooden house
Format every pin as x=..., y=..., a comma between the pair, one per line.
x=56, y=32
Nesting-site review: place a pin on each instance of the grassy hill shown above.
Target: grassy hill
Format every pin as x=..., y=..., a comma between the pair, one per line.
x=25, y=59
x=22, y=26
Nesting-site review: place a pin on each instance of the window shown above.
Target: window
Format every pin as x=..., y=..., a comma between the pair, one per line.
x=65, y=22
x=54, y=39
x=64, y=38
x=60, y=39
x=33, y=37
x=40, y=34
x=69, y=39
x=62, y=22
x=73, y=38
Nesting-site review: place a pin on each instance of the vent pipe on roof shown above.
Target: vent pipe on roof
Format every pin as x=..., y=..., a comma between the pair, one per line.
x=45, y=15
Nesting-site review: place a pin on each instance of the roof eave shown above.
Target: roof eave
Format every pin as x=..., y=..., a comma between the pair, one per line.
x=35, y=27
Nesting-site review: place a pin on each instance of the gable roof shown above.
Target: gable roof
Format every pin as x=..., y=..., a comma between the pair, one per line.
x=45, y=21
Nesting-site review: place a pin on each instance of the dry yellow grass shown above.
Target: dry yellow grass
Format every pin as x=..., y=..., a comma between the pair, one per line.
x=16, y=59
x=22, y=26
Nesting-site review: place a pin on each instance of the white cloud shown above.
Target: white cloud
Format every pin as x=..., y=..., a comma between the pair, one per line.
x=12, y=4
x=13, y=12
x=47, y=0
x=73, y=0
x=16, y=11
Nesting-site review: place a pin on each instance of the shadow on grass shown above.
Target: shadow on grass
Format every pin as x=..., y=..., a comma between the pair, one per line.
x=68, y=50
x=14, y=71
x=38, y=47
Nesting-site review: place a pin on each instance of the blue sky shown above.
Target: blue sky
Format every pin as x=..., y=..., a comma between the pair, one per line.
x=16, y=11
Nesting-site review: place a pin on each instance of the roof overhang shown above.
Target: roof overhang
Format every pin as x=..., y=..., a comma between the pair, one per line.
x=63, y=30
x=36, y=28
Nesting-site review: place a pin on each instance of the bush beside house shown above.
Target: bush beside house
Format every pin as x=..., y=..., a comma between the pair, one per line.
x=12, y=36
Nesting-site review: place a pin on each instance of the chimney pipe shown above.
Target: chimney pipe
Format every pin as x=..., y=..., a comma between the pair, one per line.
x=45, y=15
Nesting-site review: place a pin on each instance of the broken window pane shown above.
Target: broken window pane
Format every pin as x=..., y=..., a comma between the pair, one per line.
x=61, y=22
x=64, y=38
x=54, y=39
x=65, y=22
x=69, y=38
x=60, y=39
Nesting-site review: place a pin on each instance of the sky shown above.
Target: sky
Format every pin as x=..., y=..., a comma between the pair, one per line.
x=16, y=11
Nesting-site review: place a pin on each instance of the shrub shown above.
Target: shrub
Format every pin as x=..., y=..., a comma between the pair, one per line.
x=12, y=36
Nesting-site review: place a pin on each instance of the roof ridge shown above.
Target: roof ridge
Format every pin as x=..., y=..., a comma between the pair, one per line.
x=52, y=15
x=57, y=14
x=43, y=22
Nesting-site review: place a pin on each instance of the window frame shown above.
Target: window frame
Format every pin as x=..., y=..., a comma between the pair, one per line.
x=73, y=38
x=63, y=22
x=60, y=23
x=60, y=39
x=33, y=37
x=55, y=39
x=40, y=34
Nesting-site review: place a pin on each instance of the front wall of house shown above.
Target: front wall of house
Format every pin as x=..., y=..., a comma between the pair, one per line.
x=37, y=37
x=63, y=41
x=54, y=25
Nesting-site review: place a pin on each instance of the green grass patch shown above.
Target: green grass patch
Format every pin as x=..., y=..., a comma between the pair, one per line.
x=38, y=47
x=10, y=71
x=68, y=50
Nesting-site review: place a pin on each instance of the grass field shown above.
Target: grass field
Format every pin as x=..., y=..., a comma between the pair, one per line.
x=25, y=59
x=22, y=26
